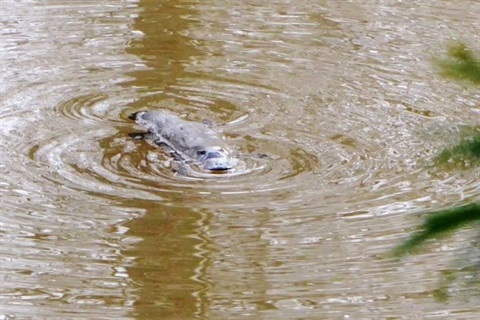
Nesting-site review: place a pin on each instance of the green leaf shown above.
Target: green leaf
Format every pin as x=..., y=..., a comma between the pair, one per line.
x=440, y=223
x=461, y=64
x=465, y=154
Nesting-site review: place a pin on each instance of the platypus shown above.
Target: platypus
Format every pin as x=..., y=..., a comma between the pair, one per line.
x=190, y=141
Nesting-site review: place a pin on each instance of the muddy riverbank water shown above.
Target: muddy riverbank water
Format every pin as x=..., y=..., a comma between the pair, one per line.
x=335, y=109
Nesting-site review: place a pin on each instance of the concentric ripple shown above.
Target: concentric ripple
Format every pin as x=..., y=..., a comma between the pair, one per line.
x=277, y=162
x=105, y=162
x=92, y=152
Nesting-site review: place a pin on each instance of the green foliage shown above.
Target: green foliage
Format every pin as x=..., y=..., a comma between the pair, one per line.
x=461, y=64
x=439, y=223
x=463, y=155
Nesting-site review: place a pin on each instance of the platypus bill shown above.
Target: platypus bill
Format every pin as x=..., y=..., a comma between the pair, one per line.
x=188, y=140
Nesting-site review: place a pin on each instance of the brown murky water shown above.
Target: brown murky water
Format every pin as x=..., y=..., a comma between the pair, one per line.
x=336, y=113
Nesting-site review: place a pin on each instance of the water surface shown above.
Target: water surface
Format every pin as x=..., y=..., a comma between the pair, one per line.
x=334, y=109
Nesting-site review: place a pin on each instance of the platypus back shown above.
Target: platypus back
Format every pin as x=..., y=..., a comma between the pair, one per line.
x=190, y=139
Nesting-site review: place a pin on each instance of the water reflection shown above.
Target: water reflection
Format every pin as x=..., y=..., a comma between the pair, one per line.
x=169, y=262
x=166, y=49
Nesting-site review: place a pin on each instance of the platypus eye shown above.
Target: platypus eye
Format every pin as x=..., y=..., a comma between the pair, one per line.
x=201, y=152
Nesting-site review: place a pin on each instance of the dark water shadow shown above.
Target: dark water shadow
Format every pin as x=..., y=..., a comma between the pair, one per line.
x=168, y=261
x=164, y=47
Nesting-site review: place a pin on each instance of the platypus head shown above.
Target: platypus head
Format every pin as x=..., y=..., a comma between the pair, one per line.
x=214, y=158
x=141, y=117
